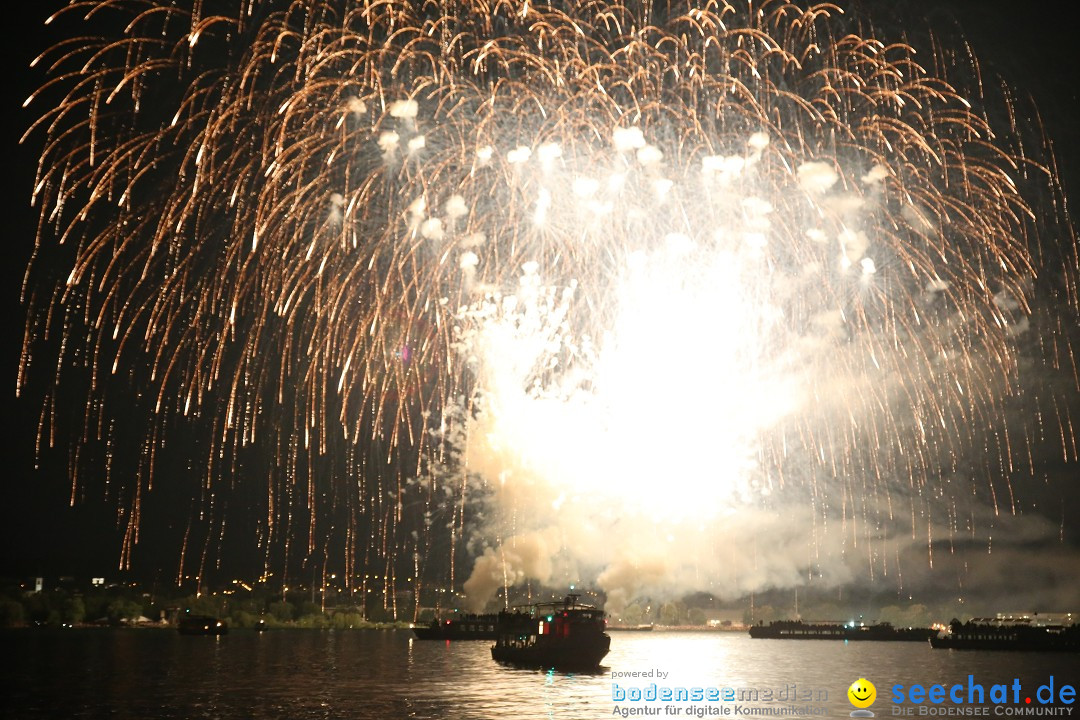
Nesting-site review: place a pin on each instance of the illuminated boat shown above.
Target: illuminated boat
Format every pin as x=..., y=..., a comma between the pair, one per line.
x=202, y=625
x=798, y=630
x=563, y=635
x=464, y=627
x=1022, y=634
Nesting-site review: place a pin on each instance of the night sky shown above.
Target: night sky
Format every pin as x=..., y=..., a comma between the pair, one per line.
x=1032, y=46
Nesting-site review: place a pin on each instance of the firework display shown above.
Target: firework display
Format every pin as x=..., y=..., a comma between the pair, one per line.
x=418, y=284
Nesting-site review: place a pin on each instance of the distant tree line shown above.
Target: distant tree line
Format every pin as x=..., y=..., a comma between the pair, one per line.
x=119, y=605
x=123, y=605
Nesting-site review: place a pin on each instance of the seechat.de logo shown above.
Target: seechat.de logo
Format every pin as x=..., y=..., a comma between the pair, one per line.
x=974, y=698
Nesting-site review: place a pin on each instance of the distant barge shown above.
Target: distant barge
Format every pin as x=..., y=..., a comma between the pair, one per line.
x=798, y=630
x=985, y=635
x=465, y=627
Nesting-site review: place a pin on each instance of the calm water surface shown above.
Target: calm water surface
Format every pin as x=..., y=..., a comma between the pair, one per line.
x=383, y=675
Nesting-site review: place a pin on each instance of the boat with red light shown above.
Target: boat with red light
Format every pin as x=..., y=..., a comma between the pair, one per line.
x=565, y=635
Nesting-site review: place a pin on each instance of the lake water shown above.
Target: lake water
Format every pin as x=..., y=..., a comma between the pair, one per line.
x=384, y=675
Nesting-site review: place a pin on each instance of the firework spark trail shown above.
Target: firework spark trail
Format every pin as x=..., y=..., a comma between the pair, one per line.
x=393, y=254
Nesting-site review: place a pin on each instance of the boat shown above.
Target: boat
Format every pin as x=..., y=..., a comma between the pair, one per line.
x=630, y=628
x=983, y=634
x=564, y=635
x=202, y=625
x=462, y=627
x=798, y=630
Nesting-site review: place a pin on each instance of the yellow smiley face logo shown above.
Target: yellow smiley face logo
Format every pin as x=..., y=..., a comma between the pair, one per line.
x=862, y=693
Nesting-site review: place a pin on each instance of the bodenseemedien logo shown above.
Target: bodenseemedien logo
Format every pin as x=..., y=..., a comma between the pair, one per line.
x=862, y=694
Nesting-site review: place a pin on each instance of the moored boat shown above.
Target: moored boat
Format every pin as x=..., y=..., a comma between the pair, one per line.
x=202, y=625
x=1022, y=635
x=562, y=635
x=464, y=627
x=798, y=630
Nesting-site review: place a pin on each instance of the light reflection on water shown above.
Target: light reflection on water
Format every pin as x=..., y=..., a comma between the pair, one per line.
x=381, y=675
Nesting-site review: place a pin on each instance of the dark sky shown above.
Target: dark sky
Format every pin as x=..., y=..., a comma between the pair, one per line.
x=34, y=536
x=1032, y=45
